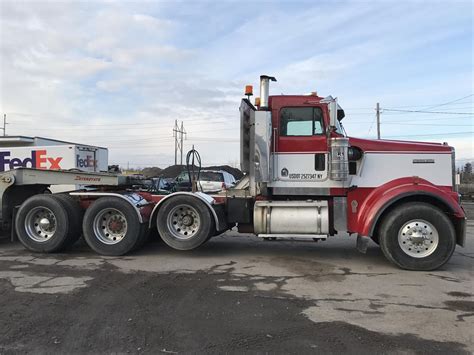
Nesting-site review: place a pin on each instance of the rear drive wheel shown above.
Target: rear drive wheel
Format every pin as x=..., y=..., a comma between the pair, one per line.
x=184, y=222
x=42, y=224
x=111, y=226
x=417, y=236
x=75, y=215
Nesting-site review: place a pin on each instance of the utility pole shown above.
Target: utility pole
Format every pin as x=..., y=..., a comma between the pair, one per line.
x=4, y=124
x=178, y=134
x=183, y=132
x=377, y=109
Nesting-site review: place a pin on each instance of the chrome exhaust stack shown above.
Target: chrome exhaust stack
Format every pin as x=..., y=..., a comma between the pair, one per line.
x=265, y=90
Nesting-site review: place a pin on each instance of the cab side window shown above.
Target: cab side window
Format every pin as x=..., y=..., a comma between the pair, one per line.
x=301, y=121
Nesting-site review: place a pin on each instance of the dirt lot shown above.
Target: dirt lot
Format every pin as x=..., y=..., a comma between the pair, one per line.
x=235, y=294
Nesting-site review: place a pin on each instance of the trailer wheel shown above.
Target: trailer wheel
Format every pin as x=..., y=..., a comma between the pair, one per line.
x=42, y=224
x=111, y=227
x=75, y=215
x=184, y=222
x=417, y=236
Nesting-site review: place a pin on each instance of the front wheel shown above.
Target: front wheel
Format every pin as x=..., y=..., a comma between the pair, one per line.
x=417, y=236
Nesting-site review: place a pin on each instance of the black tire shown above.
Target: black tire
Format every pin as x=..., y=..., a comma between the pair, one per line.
x=75, y=215
x=128, y=240
x=429, y=217
x=30, y=234
x=194, y=209
x=143, y=236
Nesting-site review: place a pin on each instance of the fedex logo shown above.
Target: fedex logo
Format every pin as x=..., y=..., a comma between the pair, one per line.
x=87, y=162
x=38, y=160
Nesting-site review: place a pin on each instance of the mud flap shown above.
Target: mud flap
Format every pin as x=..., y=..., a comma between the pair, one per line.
x=362, y=243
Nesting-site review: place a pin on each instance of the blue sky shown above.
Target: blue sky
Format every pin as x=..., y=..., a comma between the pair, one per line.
x=118, y=74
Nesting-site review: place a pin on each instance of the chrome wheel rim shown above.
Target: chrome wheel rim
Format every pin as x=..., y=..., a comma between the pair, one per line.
x=183, y=222
x=110, y=226
x=40, y=224
x=418, y=238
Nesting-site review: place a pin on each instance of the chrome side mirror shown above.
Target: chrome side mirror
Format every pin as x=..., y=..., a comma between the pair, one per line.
x=333, y=113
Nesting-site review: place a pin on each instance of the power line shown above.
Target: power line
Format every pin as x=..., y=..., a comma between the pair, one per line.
x=430, y=106
x=431, y=134
x=449, y=102
x=445, y=115
x=167, y=144
x=427, y=124
x=424, y=107
x=428, y=119
x=436, y=112
x=112, y=125
x=408, y=106
x=161, y=136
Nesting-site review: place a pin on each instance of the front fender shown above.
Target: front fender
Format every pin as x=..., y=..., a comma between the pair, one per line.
x=365, y=206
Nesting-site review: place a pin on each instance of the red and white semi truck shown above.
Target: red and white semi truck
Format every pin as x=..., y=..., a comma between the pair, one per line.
x=304, y=179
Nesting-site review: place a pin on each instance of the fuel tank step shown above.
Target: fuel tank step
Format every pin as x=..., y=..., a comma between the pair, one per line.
x=303, y=237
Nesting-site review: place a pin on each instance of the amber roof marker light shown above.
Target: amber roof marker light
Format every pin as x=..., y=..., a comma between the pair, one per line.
x=248, y=91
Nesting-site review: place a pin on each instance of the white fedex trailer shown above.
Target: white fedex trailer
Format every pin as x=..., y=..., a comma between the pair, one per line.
x=55, y=157
x=49, y=154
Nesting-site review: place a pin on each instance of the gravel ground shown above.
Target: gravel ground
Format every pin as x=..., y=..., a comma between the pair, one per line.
x=235, y=294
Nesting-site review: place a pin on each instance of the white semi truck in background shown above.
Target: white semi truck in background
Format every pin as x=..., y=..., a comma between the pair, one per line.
x=304, y=178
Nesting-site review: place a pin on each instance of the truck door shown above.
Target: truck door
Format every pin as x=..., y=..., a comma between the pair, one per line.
x=301, y=151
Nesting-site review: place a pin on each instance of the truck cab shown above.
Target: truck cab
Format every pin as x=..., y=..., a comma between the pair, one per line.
x=310, y=180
